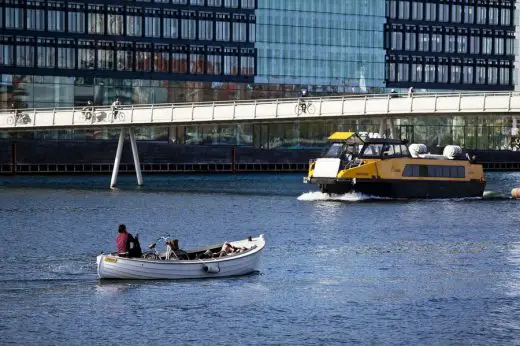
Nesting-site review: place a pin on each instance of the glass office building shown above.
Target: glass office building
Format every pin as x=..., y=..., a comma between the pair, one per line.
x=66, y=52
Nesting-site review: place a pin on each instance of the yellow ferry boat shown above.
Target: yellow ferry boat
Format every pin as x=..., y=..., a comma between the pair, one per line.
x=390, y=168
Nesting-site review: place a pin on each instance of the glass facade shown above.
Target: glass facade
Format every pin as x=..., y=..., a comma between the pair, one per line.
x=451, y=44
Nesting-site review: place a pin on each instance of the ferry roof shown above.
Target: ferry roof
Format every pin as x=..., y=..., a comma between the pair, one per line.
x=341, y=136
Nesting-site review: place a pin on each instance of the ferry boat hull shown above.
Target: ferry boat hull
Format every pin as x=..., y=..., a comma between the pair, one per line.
x=406, y=189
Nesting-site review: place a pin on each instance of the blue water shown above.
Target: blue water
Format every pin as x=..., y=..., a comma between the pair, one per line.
x=340, y=270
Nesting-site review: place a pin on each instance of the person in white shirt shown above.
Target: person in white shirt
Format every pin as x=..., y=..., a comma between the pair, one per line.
x=115, y=107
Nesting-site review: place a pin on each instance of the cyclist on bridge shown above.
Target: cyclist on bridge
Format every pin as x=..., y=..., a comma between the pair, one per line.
x=303, y=93
x=115, y=106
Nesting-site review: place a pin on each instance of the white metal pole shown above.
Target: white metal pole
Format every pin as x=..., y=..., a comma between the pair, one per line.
x=117, y=160
x=135, y=153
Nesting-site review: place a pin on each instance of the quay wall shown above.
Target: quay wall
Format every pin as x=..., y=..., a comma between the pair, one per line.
x=97, y=157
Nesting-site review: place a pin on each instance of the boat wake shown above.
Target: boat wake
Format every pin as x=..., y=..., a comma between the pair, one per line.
x=358, y=197
x=347, y=197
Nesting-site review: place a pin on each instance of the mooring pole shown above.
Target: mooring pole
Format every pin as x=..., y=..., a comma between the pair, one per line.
x=117, y=160
x=135, y=153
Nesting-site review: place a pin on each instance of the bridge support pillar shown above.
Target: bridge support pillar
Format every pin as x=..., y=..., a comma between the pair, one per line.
x=135, y=154
x=119, y=153
x=382, y=127
x=117, y=160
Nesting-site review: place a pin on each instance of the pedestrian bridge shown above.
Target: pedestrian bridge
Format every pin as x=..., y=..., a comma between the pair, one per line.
x=382, y=106
x=275, y=110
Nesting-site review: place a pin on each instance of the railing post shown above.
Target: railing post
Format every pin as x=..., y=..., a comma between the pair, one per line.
x=234, y=109
x=460, y=101
x=73, y=113
x=276, y=109
x=342, y=105
x=53, y=116
x=192, y=110
x=509, y=102
x=484, y=103
x=254, y=114
x=435, y=104
x=411, y=104
x=388, y=104
x=34, y=117
x=132, y=114
x=321, y=102
x=213, y=111
x=151, y=114
x=365, y=105
x=171, y=118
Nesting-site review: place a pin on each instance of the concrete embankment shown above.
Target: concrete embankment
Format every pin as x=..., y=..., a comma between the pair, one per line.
x=97, y=157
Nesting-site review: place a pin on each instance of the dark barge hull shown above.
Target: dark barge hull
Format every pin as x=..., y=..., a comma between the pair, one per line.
x=408, y=188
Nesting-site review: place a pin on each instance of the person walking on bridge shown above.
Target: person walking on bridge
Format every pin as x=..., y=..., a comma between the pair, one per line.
x=115, y=107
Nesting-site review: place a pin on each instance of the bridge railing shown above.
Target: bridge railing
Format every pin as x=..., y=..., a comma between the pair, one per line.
x=264, y=109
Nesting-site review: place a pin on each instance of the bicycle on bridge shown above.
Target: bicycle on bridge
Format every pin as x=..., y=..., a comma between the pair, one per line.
x=18, y=118
x=304, y=107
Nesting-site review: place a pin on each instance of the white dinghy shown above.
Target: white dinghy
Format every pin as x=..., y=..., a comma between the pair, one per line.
x=240, y=258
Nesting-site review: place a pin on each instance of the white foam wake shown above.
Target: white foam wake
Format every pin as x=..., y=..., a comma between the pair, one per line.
x=320, y=196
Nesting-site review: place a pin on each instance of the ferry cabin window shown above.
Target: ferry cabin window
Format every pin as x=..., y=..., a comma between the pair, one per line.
x=434, y=171
x=372, y=150
x=334, y=150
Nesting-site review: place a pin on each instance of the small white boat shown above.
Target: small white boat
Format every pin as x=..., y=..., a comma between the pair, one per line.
x=195, y=264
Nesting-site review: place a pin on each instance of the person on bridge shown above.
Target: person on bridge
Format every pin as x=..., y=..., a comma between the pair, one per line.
x=115, y=107
x=303, y=105
x=88, y=110
x=15, y=111
x=410, y=92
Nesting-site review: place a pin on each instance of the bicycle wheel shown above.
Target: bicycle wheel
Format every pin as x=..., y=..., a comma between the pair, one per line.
x=310, y=108
x=150, y=256
x=121, y=116
x=298, y=109
x=10, y=120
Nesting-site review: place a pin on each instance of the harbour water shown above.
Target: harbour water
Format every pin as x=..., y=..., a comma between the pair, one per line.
x=342, y=270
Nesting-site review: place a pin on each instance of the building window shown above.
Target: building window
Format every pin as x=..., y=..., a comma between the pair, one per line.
x=214, y=61
x=196, y=59
x=161, y=59
x=442, y=74
x=252, y=29
x=105, y=55
x=25, y=51
x=462, y=44
x=504, y=75
x=134, y=22
x=481, y=15
x=86, y=57
x=14, y=18
x=231, y=3
x=431, y=12
x=35, y=16
x=467, y=75
x=455, y=72
x=222, y=27
x=6, y=51
x=179, y=60
x=152, y=23
x=197, y=2
x=417, y=75
x=249, y=4
x=493, y=15
x=493, y=75
x=143, y=57
x=456, y=13
x=66, y=54
x=444, y=13
x=404, y=10
x=247, y=62
x=170, y=24
x=505, y=16
x=436, y=43
x=449, y=43
x=402, y=72
x=230, y=61
x=480, y=75
x=205, y=26
x=396, y=40
x=417, y=10
x=76, y=17
x=410, y=41
x=239, y=28
x=96, y=19
x=499, y=45
x=424, y=42
x=487, y=45
x=55, y=17
x=469, y=14
x=429, y=73
x=46, y=53
x=188, y=25
x=115, y=20
x=125, y=56
x=215, y=3
x=474, y=44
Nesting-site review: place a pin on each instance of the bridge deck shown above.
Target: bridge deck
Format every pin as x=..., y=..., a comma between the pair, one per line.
x=381, y=105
